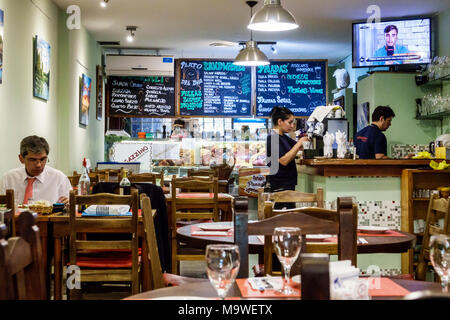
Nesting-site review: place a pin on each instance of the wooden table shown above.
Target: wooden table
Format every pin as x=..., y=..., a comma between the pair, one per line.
x=225, y=202
x=376, y=244
x=205, y=289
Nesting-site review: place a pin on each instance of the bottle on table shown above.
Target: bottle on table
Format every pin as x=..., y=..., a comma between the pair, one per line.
x=84, y=183
x=125, y=184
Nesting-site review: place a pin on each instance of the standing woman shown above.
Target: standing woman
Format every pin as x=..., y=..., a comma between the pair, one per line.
x=285, y=178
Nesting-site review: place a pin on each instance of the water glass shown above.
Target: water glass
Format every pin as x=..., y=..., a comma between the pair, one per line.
x=222, y=265
x=287, y=243
x=440, y=257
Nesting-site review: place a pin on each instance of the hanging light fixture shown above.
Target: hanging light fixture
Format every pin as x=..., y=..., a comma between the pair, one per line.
x=272, y=17
x=104, y=3
x=250, y=55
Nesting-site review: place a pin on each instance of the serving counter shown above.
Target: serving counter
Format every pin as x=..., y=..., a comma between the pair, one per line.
x=376, y=186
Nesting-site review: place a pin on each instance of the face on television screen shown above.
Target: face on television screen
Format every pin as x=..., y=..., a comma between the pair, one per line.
x=392, y=43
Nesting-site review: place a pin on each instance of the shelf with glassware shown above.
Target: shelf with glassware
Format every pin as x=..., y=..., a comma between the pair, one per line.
x=434, y=105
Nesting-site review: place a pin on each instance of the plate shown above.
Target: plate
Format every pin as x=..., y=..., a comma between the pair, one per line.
x=318, y=237
x=181, y=298
x=373, y=229
x=217, y=227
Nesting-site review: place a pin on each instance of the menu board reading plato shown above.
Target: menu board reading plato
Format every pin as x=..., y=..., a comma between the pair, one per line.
x=300, y=86
x=214, y=88
x=141, y=96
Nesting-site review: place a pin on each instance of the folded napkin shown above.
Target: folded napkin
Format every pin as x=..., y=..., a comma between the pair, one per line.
x=320, y=113
x=267, y=288
x=107, y=210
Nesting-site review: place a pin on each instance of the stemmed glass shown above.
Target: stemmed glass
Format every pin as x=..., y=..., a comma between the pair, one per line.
x=287, y=242
x=222, y=265
x=440, y=257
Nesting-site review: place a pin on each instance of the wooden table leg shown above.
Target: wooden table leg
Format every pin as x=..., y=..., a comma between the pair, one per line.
x=145, y=265
x=57, y=288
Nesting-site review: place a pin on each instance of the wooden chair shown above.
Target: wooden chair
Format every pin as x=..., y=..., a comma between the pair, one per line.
x=438, y=208
x=158, y=278
x=93, y=177
x=105, y=260
x=148, y=177
x=289, y=196
x=21, y=264
x=312, y=220
x=8, y=200
x=185, y=208
x=203, y=172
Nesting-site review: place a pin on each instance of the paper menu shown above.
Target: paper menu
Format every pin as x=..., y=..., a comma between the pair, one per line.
x=166, y=151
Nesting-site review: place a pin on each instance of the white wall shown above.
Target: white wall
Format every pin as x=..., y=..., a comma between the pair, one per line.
x=21, y=114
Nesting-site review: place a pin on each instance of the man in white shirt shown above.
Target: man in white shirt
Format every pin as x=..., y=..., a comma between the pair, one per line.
x=36, y=181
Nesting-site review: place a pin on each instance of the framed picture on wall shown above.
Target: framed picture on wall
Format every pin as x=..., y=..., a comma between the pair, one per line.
x=99, y=92
x=1, y=45
x=85, y=99
x=41, y=68
x=339, y=102
x=362, y=116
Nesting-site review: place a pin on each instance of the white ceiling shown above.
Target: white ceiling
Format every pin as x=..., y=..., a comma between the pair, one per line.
x=185, y=28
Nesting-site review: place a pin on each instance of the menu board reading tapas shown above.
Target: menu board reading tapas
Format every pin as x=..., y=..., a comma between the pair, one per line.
x=214, y=88
x=300, y=86
x=141, y=96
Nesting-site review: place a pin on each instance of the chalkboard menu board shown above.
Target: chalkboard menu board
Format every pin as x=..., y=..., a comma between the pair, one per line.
x=141, y=96
x=300, y=86
x=214, y=88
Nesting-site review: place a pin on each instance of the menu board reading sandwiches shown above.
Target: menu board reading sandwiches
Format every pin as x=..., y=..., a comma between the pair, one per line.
x=214, y=88
x=300, y=86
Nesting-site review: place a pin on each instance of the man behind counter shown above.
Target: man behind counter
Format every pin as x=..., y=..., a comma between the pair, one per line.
x=370, y=142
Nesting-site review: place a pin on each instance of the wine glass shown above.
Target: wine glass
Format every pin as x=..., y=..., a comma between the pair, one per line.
x=287, y=242
x=440, y=257
x=222, y=264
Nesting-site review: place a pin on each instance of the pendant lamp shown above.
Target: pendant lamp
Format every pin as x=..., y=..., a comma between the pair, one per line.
x=250, y=55
x=272, y=17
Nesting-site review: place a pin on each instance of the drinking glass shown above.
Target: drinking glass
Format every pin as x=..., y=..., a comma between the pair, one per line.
x=287, y=243
x=440, y=257
x=222, y=264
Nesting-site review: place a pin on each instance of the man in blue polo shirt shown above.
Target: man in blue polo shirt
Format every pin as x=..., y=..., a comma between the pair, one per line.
x=370, y=142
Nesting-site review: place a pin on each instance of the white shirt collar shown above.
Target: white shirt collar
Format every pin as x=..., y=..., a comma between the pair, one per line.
x=40, y=178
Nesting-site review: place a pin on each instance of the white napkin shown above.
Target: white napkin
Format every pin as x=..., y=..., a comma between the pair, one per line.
x=107, y=210
x=341, y=140
x=263, y=283
x=345, y=283
x=320, y=113
x=328, y=140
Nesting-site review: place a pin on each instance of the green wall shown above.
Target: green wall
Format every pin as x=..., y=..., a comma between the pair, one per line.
x=55, y=119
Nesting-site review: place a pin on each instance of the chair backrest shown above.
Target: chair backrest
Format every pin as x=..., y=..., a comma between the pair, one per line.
x=312, y=220
x=105, y=224
x=8, y=200
x=438, y=208
x=21, y=264
x=148, y=177
x=203, y=172
x=288, y=196
x=193, y=187
x=93, y=177
x=150, y=237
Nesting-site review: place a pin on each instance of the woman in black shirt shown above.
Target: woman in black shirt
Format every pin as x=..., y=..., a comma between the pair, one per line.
x=283, y=174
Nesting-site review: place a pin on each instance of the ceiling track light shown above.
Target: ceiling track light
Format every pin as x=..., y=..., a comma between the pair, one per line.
x=131, y=36
x=272, y=17
x=251, y=55
x=104, y=3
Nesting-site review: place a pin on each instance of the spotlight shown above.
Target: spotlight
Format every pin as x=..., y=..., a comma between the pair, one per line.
x=104, y=3
x=130, y=37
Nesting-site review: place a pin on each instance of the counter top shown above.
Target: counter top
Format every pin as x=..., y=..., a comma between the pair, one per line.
x=360, y=167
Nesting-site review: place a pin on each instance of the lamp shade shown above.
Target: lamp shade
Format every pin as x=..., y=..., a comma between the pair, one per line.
x=272, y=17
x=251, y=56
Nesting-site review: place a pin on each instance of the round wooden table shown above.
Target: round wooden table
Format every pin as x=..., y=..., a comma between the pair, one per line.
x=376, y=244
x=204, y=289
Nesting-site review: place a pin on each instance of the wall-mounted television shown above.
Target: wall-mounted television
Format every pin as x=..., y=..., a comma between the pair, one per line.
x=392, y=42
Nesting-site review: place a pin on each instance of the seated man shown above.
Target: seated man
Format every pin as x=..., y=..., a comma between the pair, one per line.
x=36, y=181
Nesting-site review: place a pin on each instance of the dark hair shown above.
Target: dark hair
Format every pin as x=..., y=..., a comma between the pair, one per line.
x=33, y=144
x=382, y=111
x=179, y=122
x=389, y=28
x=279, y=112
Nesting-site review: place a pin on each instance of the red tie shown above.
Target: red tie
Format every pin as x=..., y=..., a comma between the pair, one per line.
x=29, y=190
